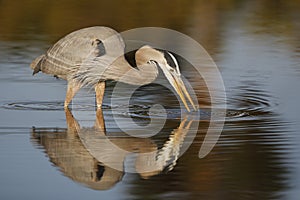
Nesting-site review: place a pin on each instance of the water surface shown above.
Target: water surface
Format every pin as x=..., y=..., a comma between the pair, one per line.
x=256, y=47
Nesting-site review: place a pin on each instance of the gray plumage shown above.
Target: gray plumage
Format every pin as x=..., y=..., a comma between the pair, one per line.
x=73, y=55
x=90, y=56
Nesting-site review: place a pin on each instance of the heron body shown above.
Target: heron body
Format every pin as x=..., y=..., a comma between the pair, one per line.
x=90, y=56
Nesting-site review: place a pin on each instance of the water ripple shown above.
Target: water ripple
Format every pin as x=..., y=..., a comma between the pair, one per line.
x=34, y=105
x=134, y=110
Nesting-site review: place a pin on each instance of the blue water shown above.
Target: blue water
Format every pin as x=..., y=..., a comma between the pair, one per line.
x=256, y=47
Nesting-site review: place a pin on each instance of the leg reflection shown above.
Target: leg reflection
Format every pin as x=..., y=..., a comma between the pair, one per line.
x=94, y=158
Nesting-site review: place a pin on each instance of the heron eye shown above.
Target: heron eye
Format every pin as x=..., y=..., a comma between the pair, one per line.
x=96, y=42
x=153, y=62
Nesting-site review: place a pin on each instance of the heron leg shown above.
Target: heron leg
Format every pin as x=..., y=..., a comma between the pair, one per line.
x=73, y=88
x=99, y=122
x=99, y=89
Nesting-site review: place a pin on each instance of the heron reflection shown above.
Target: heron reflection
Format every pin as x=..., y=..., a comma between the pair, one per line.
x=91, y=157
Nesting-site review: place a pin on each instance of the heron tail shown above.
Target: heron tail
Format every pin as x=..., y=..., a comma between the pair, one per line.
x=36, y=64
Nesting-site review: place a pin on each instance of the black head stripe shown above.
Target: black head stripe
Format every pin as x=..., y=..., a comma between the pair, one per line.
x=171, y=60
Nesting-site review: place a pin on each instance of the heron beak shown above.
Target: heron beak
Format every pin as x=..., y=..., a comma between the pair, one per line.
x=177, y=83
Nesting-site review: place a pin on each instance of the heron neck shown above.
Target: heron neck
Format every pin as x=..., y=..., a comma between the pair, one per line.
x=122, y=71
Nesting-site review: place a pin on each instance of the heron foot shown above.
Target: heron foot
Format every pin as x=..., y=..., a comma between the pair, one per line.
x=99, y=106
x=66, y=105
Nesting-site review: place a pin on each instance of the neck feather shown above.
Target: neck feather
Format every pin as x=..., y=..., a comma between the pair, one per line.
x=122, y=71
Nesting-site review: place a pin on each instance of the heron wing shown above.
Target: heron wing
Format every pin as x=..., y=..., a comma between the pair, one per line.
x=93, y=68
x=79, y=49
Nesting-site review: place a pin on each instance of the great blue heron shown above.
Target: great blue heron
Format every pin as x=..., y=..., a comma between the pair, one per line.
x=90, y=56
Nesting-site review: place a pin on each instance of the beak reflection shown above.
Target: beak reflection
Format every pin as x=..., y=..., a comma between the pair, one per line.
x=92, y=157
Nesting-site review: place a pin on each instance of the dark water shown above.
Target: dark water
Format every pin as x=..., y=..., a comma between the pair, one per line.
x=256, y=47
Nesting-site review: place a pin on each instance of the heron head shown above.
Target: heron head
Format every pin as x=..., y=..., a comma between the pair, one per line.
x=162, y=59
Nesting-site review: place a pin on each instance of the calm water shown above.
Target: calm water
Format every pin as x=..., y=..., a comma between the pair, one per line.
x=256, y=45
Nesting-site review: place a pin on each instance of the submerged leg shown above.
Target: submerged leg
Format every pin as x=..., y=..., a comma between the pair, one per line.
x=72, y=124
x=99, y=89
x=99, y=122
x=73, y=88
